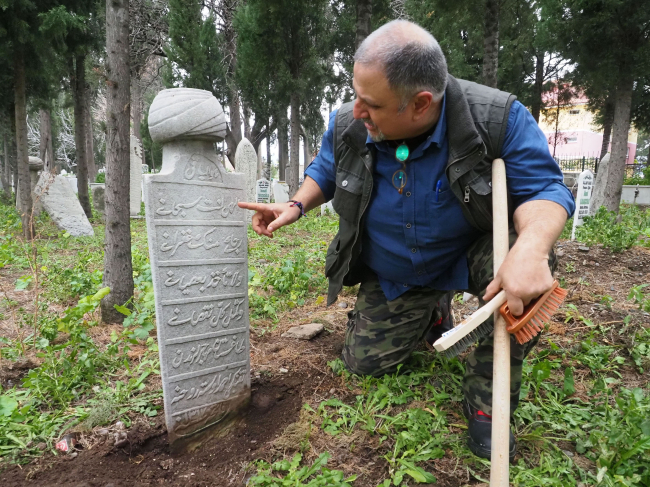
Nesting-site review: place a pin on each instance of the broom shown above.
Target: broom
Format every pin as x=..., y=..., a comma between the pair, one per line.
x=499, y=460
x=524, y=327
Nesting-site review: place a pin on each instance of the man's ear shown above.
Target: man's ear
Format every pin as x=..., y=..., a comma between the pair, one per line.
x=421, y=104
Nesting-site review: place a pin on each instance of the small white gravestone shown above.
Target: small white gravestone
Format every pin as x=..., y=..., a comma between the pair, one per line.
x=60, y=202
x=198, y=253
x=136, y=176
x=583, y=199
x=246, y=163
x=280, y=191
x=327, y=208
x=263, y=191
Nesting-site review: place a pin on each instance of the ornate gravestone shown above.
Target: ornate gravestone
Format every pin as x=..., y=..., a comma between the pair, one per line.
x=263, y=191
x=583, y=200
x=198, y=249
x=136, y=176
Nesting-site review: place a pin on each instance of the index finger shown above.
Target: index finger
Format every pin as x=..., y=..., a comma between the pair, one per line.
x=253, y=206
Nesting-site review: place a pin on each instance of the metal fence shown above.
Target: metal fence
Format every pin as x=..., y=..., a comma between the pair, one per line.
x=578, y=163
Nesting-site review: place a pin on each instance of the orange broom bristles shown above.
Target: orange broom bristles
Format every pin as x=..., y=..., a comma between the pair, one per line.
x=535, y=315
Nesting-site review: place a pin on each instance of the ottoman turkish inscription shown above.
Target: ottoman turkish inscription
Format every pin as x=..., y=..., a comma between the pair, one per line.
x=197, y=242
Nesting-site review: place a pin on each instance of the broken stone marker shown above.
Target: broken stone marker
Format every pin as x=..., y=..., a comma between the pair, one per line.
x=198, y=251
x=304, y=332
x=60, y=202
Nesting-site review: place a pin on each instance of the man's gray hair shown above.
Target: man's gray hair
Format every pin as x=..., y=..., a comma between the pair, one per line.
x=410, y=57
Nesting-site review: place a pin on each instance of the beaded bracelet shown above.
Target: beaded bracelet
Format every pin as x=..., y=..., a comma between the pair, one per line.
x=299, y=205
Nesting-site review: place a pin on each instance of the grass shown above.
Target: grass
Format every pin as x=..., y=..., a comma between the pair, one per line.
x=581, y=420
x=615, y=231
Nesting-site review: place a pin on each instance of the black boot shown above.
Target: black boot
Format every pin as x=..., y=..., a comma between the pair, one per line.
x=479, y=439
x=444, y=319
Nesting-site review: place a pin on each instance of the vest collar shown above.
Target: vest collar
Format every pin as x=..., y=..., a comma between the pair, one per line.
x=462, y=135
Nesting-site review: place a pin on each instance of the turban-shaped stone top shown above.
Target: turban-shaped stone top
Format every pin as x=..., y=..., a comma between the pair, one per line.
x=185, y=113
x=35, y=163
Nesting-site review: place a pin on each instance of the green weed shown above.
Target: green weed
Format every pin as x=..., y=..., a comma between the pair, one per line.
x=616, y=232
x=293, y=475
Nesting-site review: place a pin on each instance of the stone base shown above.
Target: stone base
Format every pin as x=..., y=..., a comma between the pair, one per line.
x=214, y=422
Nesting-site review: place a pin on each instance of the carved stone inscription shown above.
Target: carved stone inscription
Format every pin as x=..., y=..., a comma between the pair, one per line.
x=198, y=248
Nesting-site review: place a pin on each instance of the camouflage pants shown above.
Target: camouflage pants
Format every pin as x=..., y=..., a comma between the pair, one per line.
x=382, y=334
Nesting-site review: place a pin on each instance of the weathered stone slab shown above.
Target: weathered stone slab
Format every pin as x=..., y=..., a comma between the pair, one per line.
x=62, y=205
x=198, y=251
x=246, y=163
x=304, y=332
x=280, y=191
x=98, y=191
x=136, y=176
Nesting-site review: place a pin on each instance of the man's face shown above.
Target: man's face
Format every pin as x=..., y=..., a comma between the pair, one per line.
x=378, y=106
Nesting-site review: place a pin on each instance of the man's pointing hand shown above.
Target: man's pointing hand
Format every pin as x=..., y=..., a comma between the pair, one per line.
x=269, y=217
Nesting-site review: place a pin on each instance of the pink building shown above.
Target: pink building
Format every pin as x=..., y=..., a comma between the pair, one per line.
x=571, y=131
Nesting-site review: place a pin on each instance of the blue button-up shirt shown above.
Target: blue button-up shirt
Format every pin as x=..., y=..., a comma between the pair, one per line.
x=421, y=237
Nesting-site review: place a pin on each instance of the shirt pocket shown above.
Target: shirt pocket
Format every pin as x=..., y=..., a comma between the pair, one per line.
x=347, y=197
x=442, y=212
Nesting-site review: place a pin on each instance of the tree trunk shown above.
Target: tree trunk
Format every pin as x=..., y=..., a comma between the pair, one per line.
x=45, y=147
x=22, y=151
x=247, y=124
x=536, y=105
x=364, y=16
x=306, y=149
x=78, y=93
x=90, y=144
x=13, y=163
x=609, y=180
x=235, y=127
x=5, y=173
x=293, y=178
x=283, y=146
x=608, y=120
x=118, y=269
x=491, y=43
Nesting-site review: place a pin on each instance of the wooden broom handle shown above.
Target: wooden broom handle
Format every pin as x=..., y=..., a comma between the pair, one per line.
x=499, y=472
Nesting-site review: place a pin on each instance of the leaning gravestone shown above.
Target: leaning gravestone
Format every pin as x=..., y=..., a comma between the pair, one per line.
x=263, y=191
x=136, y=176
x=246, y=162
x=583, y=200
x=60, y=202
x=198, y=250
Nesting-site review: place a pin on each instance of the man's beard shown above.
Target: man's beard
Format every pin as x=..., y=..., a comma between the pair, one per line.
x=379, y=136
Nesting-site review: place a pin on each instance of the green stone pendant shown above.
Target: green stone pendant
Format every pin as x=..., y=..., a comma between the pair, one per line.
x=402, y=153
